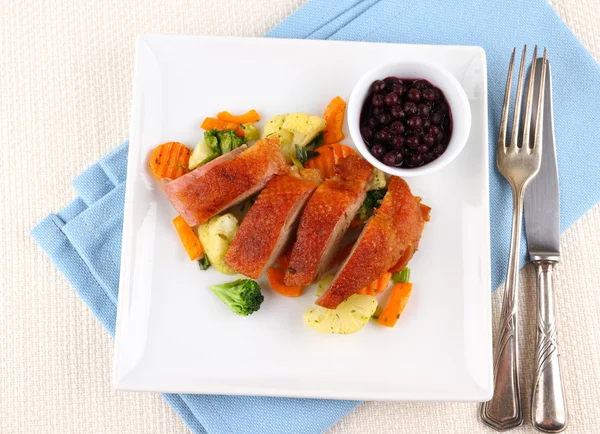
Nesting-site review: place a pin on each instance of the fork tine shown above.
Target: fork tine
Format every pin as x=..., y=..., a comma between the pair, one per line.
x=537, y=141
x=504, y=120
x=529, y=103
x=514, y=141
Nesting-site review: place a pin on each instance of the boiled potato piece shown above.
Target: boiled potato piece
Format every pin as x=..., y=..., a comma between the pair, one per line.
x=323, y=284
x=202, y=154
x=349, y=317
x=304, y=127
x=216, y=236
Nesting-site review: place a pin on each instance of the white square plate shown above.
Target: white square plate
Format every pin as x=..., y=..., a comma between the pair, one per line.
x=174, y=335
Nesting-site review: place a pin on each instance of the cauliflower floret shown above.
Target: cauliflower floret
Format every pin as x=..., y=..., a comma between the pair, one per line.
x=304, y=127
x=274, y=127
x=378, y=181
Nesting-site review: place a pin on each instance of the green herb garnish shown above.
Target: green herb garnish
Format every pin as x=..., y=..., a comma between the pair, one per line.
x=204, y=263
x=371, y=203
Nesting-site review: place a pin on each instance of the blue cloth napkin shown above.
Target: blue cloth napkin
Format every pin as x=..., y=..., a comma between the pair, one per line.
x=84, y=239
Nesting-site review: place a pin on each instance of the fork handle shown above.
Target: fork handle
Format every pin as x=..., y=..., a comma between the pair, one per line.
x=505, y=410
x=548, y=403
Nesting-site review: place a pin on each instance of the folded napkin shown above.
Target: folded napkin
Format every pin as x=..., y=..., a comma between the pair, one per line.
x=84, y=239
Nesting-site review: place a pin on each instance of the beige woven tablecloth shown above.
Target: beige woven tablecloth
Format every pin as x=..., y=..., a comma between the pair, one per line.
x=65, y=91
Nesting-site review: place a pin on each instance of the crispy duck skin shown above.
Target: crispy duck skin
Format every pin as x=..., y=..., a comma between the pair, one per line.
x=395, y=227
x=325, y=219
x=268, y=226
x=226, y=181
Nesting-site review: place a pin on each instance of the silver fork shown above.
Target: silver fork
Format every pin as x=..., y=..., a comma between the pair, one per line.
x=518, y=164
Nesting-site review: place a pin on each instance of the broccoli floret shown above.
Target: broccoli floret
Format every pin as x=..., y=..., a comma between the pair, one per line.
x=242, y=296
x=212, y=141
x=221, y=142
x=371, y=203
x=229, y=140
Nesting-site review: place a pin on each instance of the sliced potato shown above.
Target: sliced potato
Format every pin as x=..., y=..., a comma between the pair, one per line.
x=323, y=284
x=349, y=317
x=216, y=236
x=202, y=154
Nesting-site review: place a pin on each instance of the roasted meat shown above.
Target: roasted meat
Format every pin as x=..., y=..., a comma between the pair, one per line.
x=226, y=181
x=325, y=219
x=268, y=226
x=395, y=227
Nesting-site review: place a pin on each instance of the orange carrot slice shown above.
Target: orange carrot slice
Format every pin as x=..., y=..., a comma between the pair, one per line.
x=393, y=310
x=248, y=117
x=284, y=260
x=275, y=276
x=188, y=237
x=382, y=283
x=378, y=285
x=329, y=156
x=170, y=160
x=216, y=124
x=334, y=118
x=371, y=287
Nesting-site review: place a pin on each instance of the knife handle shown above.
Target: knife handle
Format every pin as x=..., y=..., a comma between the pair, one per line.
x=548, y=403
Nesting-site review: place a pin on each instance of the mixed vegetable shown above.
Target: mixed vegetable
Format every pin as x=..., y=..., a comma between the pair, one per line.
x=307, y=142
x=242, y=296
x=216, y=236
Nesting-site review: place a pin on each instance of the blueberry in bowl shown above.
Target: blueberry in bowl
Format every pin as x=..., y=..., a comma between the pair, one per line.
x=409, y=118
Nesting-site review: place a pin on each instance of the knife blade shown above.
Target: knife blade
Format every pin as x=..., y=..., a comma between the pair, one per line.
x=542, y=201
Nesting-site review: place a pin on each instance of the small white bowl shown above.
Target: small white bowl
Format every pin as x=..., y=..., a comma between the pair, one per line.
x=439, y=77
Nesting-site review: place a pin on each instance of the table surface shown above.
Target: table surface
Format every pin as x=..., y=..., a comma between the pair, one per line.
x=65, y=92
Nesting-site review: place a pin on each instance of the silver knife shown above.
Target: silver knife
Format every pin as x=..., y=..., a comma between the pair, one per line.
x=542, y=227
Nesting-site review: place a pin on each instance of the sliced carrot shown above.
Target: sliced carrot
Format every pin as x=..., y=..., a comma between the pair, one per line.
x=216, y=124
x=329, y=156
x=371, y=287
x=382, y=282
x=334, y=118
x=247, y=118
x=403, y=261
x=393, y=310
x=284, y=260
x=188, y=237
x=378, y=285
x=275, y=276
x=170, y=160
